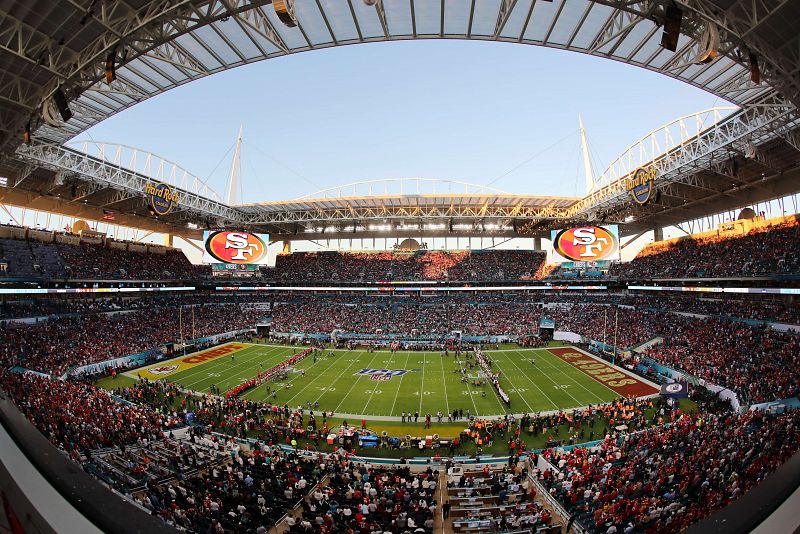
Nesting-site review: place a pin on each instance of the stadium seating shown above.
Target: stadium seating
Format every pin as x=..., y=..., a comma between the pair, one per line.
x=495, y=265
x=56, y=345
x=763, y=251
x=666, y=479
x=371, y=499
x=485, y=500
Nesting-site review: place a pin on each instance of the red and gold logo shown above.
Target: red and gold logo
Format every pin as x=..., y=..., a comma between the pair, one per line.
x=164, y=369
x=588, y=243
x=236, y=247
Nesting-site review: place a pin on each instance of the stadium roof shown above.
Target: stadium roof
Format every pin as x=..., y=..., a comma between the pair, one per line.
x=157, y=45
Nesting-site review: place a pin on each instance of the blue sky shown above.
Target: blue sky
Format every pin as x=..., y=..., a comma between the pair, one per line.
x=457, y=110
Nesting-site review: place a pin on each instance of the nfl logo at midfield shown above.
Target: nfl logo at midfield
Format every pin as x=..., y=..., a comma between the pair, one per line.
x=382, y=374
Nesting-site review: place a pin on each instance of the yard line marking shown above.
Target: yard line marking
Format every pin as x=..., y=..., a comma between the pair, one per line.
x=534, y=385
x=251, y=393
x=397, y=394
x=469, y=390
x=577, y=402
x=444, y=382
x=355, y=380
x=317, y=377
x=227, y=375
x=572, y=368
x=530, y=408
x=422, y=386
x=377, y=383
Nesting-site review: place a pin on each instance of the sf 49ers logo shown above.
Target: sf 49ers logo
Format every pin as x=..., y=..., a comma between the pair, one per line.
x=235, y=247
x=163, y=370
x=589, y=243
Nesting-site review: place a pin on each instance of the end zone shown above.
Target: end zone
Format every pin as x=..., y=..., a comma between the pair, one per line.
x=614, y=378
x=166, y=368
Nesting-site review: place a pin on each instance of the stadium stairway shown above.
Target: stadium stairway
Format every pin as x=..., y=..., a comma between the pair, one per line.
x=469, y=505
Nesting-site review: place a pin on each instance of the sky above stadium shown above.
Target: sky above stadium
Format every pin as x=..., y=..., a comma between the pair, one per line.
x=483, y=112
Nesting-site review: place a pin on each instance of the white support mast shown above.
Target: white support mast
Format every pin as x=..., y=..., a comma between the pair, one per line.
x=231, y=196
x=587, y=162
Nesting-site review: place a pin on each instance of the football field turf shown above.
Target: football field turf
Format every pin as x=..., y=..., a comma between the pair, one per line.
x=357, y=382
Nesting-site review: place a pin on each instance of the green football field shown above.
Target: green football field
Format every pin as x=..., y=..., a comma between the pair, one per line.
x=424, y=381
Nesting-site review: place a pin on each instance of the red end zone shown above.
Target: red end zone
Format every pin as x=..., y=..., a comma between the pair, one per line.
x=613, y=378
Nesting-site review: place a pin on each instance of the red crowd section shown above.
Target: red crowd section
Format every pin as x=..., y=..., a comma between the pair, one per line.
x=608, y=375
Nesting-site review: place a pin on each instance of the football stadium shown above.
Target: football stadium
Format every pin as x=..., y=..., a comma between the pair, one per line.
x=411, y=297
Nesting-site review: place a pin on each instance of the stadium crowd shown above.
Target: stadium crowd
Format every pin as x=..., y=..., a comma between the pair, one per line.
x=78, y=417
x=98, y=262
x=766, y=250
x=495, y=265
x=361, y=498
x=667, y=478
x=56, y=345
x=759, y=364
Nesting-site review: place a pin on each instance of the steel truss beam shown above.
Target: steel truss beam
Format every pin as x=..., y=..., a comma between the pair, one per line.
x=736, y=23
x=102, y=174
x=757, y=123
x=404, y=212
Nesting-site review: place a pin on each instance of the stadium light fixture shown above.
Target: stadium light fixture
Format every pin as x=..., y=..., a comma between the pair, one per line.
x=111, y=68
x=60, y=100
x=672, y=27
x=630, y=218
x=284, y=9
x=755, y=72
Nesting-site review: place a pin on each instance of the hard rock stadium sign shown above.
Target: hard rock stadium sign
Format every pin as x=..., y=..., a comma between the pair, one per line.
x=641, y=184
x=162, y=197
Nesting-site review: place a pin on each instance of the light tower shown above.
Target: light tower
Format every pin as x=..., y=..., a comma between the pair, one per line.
x=587, y=162
x=231, y=196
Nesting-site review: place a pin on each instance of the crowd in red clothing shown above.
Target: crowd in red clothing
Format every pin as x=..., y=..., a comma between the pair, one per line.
x=77, y=417
x=421, y=318
x=99, y=262
x=668, y=478
x=494, y=265
x=54, y=346
x=759, y=364
x=763, y=251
